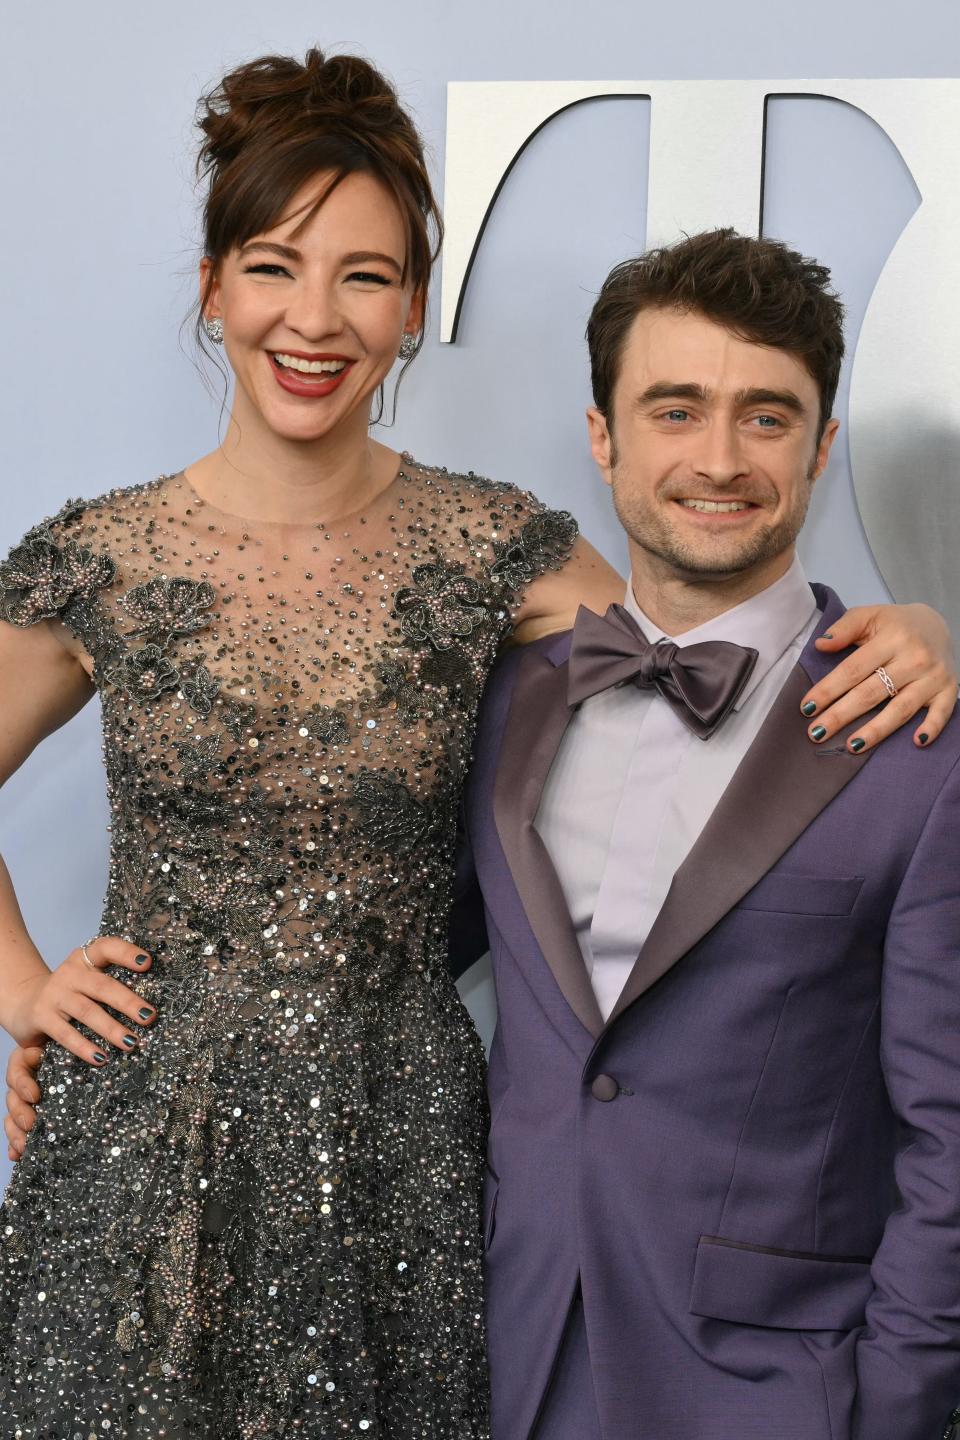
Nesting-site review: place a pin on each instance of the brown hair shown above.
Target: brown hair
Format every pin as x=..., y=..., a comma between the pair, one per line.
x=758, y=289
x=272, y=124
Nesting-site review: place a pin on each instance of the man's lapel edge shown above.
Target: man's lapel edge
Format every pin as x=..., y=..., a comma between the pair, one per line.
x=536, y=722
x=744, y=839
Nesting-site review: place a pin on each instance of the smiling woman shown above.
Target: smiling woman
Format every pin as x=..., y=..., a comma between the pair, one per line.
x=332, y=265
x=262, y=1213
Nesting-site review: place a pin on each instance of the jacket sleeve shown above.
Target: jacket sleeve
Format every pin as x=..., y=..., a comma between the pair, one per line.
x=468, y=926
x=908, y=1356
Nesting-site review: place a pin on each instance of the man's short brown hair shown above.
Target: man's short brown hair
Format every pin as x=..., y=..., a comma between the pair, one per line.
x=758, y=289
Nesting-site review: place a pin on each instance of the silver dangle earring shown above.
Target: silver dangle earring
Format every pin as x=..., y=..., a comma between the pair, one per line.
x=409, y=346
x=214, y=329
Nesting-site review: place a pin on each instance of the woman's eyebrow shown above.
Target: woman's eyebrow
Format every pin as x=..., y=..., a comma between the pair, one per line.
x=360, y=257
x=286, y=252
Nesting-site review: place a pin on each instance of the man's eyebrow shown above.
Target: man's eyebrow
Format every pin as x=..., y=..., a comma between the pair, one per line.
x=785, y=398
x=673, y=390
x=689, y=390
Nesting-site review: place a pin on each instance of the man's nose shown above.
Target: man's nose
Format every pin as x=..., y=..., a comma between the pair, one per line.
x=720, y=456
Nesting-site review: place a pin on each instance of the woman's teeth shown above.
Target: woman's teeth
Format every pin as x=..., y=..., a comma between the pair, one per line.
x=715, y=507
x=311, y=367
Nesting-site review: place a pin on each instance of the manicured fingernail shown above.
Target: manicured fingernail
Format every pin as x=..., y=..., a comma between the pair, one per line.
x=140, y=959
x=857, y=745
x=129, y=1041
x=923, y=737
x=810, y=708
x=145, y=1014
x=819, y=732
x=828, y=635
x=99, y=1057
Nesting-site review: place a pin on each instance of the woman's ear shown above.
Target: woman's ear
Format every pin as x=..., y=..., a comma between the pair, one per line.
x=416, y=313
x=209, y=290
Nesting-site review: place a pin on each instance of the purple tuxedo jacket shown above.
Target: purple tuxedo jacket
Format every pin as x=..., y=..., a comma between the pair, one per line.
x=753, y=1169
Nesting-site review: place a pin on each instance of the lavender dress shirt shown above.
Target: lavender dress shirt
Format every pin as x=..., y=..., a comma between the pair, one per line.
x=652, y=784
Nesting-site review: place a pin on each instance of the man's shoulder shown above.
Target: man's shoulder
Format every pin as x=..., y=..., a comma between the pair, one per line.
x=502, y=680
x=912, y=774
x=554, y=648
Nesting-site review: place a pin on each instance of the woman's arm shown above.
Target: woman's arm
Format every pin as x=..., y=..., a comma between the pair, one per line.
x=43, y=683
x=910, y=642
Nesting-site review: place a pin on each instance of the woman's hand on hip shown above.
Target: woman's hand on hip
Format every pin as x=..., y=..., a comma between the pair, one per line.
x=51, y=1004
x=23, y=1095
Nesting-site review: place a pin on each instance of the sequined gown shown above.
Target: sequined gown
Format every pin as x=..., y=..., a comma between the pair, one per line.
x=264, y=1222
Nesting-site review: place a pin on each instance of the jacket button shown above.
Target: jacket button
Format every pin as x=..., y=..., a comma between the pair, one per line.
x=605, y=1088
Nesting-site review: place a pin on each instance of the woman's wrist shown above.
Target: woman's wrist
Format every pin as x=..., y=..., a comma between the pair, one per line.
x=16, y=1006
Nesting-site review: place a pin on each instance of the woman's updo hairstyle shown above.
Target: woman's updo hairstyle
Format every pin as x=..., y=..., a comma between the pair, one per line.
x=274, y=123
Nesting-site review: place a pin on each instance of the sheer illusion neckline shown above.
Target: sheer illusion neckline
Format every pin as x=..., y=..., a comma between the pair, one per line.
x=200, y=502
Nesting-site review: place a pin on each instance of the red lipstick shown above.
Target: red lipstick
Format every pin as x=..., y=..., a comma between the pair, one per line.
x=312, y=387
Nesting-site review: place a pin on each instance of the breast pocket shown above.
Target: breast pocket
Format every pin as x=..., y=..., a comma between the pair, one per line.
x=804, y=894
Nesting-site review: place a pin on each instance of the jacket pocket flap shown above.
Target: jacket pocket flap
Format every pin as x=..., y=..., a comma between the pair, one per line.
x=804, y=894
x=782, y=1289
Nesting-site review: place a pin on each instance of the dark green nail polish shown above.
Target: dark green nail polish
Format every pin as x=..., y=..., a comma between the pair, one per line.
x=140, y=959
x=818, y=732
x=99, y=1057
x=827, y=636
x=146, y=1014
x=857, y=745
x=923, y=737
x=810, y=708
x=129, y=1041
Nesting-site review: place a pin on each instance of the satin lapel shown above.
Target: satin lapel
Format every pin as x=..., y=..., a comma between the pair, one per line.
x=781, y=785
x=535, y=726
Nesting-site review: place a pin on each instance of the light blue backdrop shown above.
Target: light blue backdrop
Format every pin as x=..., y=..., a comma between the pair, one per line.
x=99, y=250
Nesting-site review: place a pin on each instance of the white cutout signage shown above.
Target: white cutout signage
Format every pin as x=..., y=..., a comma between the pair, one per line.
x=706, y=169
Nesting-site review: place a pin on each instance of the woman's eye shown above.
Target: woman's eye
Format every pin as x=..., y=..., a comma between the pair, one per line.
x=368, y=277
x=265, y=269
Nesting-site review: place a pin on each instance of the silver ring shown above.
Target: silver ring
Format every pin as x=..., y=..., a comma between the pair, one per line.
x=86, y=954
x=887, y=683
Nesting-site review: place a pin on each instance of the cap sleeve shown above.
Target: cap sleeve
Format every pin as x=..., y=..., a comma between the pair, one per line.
x=526, y=539
x=53, y=574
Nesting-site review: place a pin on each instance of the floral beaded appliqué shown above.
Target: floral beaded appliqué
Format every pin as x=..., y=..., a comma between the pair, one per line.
x=40, y=579
x=441, y=606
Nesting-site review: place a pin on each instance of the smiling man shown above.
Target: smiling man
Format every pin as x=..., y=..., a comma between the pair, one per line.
x=724, y=1189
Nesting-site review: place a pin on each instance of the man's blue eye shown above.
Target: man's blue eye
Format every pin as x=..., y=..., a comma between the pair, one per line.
x=768, y=422
x=677, y=414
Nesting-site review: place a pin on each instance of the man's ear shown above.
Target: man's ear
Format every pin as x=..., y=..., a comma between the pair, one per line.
x=601, y=442
x=824, y=448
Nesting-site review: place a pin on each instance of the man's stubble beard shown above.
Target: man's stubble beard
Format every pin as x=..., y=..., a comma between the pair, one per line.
x=648, y=528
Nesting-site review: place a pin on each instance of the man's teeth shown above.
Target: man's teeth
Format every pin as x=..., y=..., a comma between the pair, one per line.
x=311, y=367
x=715, y=507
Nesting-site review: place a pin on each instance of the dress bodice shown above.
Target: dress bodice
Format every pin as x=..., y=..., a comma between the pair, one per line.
x=288, y=710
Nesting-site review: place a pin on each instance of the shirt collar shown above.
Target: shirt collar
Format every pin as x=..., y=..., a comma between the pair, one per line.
x=768, y=623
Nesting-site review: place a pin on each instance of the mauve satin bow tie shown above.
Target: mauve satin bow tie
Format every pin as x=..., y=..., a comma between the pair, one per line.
x=702, y=683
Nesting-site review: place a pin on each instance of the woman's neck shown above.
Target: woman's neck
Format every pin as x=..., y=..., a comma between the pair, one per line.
x=264, y=476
